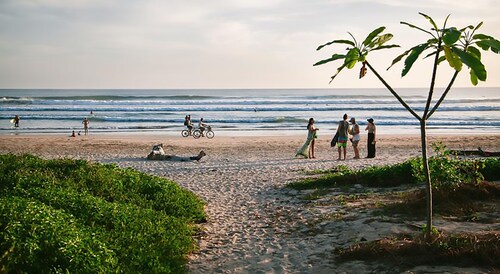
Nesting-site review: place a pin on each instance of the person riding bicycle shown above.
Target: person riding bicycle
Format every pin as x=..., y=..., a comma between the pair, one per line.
x=187, y=122
x=202, y=126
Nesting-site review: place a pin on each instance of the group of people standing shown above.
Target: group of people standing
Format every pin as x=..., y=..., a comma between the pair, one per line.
x=345, y=130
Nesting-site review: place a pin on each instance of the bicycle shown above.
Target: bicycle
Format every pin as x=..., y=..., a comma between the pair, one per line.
x=187, y=132
x=208, y=132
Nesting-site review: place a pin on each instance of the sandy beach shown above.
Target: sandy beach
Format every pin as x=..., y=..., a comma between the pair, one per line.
x=255, y=225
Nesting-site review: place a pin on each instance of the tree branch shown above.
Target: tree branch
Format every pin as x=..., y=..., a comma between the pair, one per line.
x=407, y=107
x=433, y=82
x=438, y=103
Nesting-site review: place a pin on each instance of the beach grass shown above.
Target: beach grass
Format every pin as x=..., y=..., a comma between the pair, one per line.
x=69, y=215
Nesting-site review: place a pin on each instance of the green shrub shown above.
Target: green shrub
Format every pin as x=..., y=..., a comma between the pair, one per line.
x=71, y=215
x=490, y=169
x=446, y=172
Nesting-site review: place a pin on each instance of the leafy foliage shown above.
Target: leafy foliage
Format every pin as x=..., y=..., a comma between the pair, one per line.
x=458, y=46
x=357, y=52
x=71, y=215
x=449, y=173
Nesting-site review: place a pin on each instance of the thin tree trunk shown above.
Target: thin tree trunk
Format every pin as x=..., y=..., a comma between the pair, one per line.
x=425, y=161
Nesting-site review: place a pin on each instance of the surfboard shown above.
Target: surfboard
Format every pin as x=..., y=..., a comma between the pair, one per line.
x=12, y=121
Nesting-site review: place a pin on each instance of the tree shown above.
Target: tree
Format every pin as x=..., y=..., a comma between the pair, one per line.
x=460, y=47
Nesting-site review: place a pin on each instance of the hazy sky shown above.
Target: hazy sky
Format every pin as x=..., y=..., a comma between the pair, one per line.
x=218, y=43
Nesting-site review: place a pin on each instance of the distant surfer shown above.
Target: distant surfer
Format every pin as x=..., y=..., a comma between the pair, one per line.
x=16, y=120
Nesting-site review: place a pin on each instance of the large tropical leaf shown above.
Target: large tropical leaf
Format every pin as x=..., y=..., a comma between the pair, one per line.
x=452, y=59
x=333, y=58
x=415, y=52
x=474, y=51
x=372, y=35
x=451, y=36
x=472, y=62
x=352, y=58
x=336, y=42
x=481, y=36
x=492, y=44
x=473, y=78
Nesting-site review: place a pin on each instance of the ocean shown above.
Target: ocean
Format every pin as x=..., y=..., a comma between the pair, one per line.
x=242, y=111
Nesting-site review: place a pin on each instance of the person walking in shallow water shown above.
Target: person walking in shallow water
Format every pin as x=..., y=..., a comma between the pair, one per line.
x=372, y=129
x=307, y=150
x=342, y=129
x=86, y=125
x=16, y=120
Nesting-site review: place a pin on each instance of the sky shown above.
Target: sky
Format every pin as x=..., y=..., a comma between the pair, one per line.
x=220, y=44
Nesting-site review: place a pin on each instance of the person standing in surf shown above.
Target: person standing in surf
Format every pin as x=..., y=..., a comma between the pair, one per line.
x=86, y=125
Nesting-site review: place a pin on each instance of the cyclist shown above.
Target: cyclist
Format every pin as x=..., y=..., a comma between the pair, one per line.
x=187, y=122
x=202, y=126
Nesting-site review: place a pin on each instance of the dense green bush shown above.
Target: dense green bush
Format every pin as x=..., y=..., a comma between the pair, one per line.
x=71, y=215
x=490, y=169
x=446, y=172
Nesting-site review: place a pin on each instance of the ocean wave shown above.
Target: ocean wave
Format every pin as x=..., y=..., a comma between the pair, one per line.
x=234, y=108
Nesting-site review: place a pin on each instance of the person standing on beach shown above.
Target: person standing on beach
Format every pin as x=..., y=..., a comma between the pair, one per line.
x=86, y=125
x=354, y=131
x=342, y=129
x=307, y=150
x=371, y=128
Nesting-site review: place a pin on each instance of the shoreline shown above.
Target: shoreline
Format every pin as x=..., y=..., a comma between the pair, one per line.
x=256, y=224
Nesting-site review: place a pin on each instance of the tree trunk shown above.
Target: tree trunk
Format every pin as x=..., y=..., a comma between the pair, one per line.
x=423, y=137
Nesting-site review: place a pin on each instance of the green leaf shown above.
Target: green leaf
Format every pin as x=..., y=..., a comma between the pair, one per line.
x=468, y=27
x=473, y=78
x=492, y=44
x=339, y=69
x=480, y=36
x=452, y=59
x=472, y=62
x=415, y=27
x=415, y=52
x=430, y=20
x=386, y=47
x=397, y=59
x=474, y=51
x=372, y=35
x=383, y=39
x=333, y=58
x=451, y=36
x=478, y=26
x=441, y=59
x=336, y=42
x=352, y=58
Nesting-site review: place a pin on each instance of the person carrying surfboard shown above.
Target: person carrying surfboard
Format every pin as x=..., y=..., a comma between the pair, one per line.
x=16, y=120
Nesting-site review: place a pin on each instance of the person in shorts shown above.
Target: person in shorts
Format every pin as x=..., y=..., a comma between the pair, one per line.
x=342, y=129
x=356, y=137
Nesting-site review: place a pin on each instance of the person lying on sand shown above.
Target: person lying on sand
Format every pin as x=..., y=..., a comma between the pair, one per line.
x=158, y=154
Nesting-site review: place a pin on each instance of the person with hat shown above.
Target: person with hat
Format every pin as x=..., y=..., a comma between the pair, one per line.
x=356, y=137
x=371, y=128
